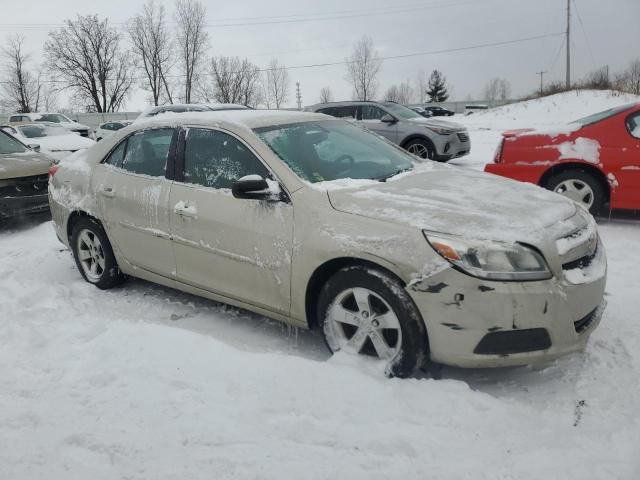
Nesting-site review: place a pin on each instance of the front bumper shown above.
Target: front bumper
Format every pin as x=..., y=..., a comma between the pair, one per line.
x=23, y=205
x=476, y=323
x=453, y=146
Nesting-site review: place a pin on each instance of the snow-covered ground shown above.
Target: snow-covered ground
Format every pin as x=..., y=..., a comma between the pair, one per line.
x=144, y=382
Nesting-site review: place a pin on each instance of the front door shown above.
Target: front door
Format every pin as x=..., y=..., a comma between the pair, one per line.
x=133, y=196
x=238, y=248
x=371, y=118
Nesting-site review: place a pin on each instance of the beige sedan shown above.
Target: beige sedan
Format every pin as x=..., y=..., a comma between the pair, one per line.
x=318, y=223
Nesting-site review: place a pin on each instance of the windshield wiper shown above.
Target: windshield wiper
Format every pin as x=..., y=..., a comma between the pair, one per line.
x=384, y=178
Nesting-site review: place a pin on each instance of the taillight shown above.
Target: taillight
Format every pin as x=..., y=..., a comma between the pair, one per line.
x=52, y=170
x=498, y=156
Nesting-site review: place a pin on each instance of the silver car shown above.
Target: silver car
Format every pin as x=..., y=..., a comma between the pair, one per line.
x=425, y=137
x=321, y=224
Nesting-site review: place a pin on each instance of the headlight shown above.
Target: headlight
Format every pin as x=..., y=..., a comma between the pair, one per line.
x=490, y=259
x=441, y=131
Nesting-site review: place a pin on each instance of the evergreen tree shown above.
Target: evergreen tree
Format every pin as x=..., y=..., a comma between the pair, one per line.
x=437, y=89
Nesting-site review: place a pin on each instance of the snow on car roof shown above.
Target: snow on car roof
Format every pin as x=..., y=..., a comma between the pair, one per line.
x=248, y=119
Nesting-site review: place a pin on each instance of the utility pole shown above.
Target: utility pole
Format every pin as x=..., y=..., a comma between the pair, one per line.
x=298, y=96
x=541, y=81
x=568, y=44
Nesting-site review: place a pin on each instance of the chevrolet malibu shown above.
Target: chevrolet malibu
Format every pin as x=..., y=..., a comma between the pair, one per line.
x=316, y=222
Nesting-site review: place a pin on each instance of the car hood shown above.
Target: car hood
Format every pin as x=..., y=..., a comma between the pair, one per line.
x=74, y=126
x=70, y=142
x=26, y=164
x=436, y=122
x=461, y=202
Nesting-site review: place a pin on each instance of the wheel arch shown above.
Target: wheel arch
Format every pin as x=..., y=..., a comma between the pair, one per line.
x=325, y=271
x=586, y=167
x=73, y=219
x=417, y=136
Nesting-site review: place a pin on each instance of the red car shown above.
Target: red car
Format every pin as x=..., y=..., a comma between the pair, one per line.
x=594, y=161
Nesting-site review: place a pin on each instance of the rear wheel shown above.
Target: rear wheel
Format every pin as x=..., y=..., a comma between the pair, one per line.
x=581, y=187
x=367, y=312
x=421, y=148
x=93, y=254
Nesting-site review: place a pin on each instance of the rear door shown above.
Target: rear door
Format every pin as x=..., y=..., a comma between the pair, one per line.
x=371, y=118
x=238, y=248
x=133, y=196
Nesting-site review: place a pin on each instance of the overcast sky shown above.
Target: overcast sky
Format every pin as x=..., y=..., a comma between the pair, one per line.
x=312, y=32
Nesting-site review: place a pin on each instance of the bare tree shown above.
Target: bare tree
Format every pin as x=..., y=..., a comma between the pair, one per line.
x=20, y=87
x=597, y=79
x=497, y=89
x=232, y=80
x=402, y=93
x=277, y=83
x=86, y=55
x=152, y=44
x=363, y=67
x=629, y=80
x=326, y=95
x=192, y=40
x=422, y=86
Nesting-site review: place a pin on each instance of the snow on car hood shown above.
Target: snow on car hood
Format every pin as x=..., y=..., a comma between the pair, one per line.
x=25, y=164
x=436, y=122
x=69, y=143
x=461, y=202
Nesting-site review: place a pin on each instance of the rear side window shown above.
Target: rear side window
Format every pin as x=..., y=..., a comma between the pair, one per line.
x=147, y=152
x=215, y=159
x=633, y=125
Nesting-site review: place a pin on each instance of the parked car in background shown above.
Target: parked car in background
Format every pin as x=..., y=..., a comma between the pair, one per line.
x=424, y=137
x=57, y=118
x=109, y=128
x=188, y=107
x=50, y=138
x=421, y=111
x=594, y=161
x=23, y=178
x=437, y=111
x=322, y=224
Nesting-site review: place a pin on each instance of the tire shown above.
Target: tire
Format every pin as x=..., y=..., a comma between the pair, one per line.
x=421, y=148
x=580, y=186
x=100, y=268
x=389, y=321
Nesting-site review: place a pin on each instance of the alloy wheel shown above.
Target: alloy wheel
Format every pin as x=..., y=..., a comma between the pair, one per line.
x=419, y=150
x=576, y=190
x=91, y=255
x=362, y=322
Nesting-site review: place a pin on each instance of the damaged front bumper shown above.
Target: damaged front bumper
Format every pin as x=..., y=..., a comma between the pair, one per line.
x=477, y=323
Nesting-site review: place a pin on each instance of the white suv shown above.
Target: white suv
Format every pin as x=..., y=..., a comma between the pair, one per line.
x=59, y=118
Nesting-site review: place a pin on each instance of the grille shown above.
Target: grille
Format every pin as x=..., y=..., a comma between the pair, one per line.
x=83, y=133
x=463, y=137
x=582, y=324
x=26, y=187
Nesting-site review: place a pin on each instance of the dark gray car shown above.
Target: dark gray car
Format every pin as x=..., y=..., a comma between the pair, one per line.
x=425, y=137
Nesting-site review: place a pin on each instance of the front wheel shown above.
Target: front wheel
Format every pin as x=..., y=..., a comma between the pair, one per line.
x=367, y=312
x=421, y=148
x=93, y=254
x=581, y=187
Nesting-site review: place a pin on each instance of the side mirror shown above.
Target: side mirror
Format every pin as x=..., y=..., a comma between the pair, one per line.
x=386, y=118
x=254, y=187
x=34, y=146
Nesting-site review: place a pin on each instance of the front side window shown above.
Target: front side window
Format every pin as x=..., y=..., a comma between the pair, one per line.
x=147, y=152
x=371, y=112
x=633, y=125
x=9, y=145
x=334, y=149
x=117, y=156
x=215, y=159
x=401, y=111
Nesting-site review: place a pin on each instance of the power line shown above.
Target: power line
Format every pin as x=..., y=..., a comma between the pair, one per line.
x=584, y=32
x=385, y=58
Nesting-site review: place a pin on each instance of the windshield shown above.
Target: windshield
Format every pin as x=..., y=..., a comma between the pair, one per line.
x=8, y=144
x=334, y=149
x=596, y=117
x=401, y=111
x=53, y=117
x=37, y=131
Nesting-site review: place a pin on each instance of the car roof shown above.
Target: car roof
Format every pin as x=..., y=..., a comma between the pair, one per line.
x=345, y=103
x=247, y=119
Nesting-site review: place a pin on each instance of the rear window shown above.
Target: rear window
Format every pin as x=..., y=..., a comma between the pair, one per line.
x=598, y=117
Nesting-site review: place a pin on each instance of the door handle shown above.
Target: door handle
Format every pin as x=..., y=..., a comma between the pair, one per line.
x=108, y=192
x=185, y=211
